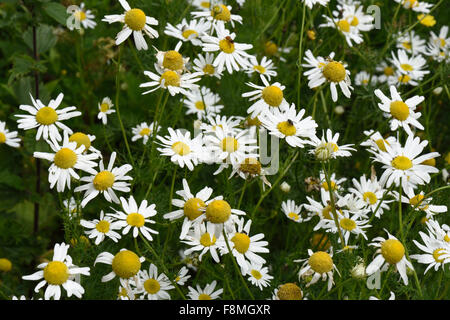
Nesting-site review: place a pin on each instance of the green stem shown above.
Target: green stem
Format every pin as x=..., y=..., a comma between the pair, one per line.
x=242, y=194
x=300, y=54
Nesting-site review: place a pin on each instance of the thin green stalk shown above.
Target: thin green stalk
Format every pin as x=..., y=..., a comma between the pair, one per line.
x=242, y=194
x=400, y=218
x=299, y=61
x=324, y=105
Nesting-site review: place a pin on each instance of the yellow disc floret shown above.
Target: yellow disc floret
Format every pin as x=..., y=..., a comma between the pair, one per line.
x=209, y=69
x=321, y=262
x=135, y=219
x=65, y=158
x=287, y=128
x=170, y=78
x=5, y=265
x=102, y=226
x=173, y=60
x=218, y=211
x=56, y=273
x=226, y=45
x=135, y=19
x=221, y=12
x=343, y=25
x=260, y=69
x=152, y=286
x=334, y=71
x=81, y=139
x=206, y=240
x=199, y=105
x=2, y=137
x=401, y=163
x=347, y=224
x=145, y=132
x=250, y=166
x=46, y=116
x=256, y=274
x=241, y=242
x=126, y=264
x=437, y=253
x=192, y=208
x=289, y=291
x=188, y=33
x=392, y=251
x=103, y=180
x=204, y=296
x=370, y=197
x=181, y=148
x=272, y=95
x=229, y=144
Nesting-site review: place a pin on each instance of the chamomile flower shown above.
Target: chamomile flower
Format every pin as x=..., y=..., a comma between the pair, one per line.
x=204, y=65
x=259, y=275
x=323, y=208
x=355, y=15
x=207, y=293
x=437, y=253
x=349, y=224
x=410, y=67
x=144, y=131
x=327, y=147
x=265, y=67
x=218, y=15
x=376, y=141
x=7, y=137
x=401, y=113
x=345, y=26
x=336, y=184
x=202, y=102
x=391, y=252
x=182, y=276
x=411, y=43
x=190, y=206
x=202, y=239
x=59, y=272
x=438, y=46
x=228, y=124
x=153, y=286
x=134, y=217
x=105, y=108
x=419, y=203
x=294, y=212
x=65, y=160
x=387, y=73
x=135, y=22
x=106, y=181
x=403, y=165
x=321, y=262
x=47, y=119
x=181, y=148
x=83, y=16
x=439, y=232
x=171, y=60
x=189, y=31
x=268, y=97
x=101, y=228
x=232, y=55
x=71, y=207
x=173, y=81
x=363, y=78
x=287, y=291
x=287, y=124
x=328, y=70
x=125, y=264
x=250, y=168
x=415, y=5
x=272, y=50
x=311, y=3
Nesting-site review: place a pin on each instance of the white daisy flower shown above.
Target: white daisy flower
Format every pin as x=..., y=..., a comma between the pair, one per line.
x=65, y=160
x=134, y=217
x=294, y=212
x=171, y=80
x=46, y=118
x=419, y=203
x=401, y=113
x=265, y=67
x=71, y=207
x=232, y=55
x=204, y=65
x=202, y=238
x=218, y=15
x=105, y=108
x=259, y=275
x=327, y=147
x=250, y=168
x=227, y=124
x=354, y=14
x=83, y=16
x=322, y=264
x=286, y=123
x=415, y=5
x=182, y=276
x=363, y=78
x=403, y=165
x=202, y=102
x=191, y=207
x=189, y=31
x=84, y=139
x=106, y=181
x=439, y=232
x=7, y=137
x=327, y=70
x=336, y=184
x=153, y=286
x=135, y=22
x=101, y=228
x=411, y=43
x=59, y=272
x=181, y=148
x=410, y=67
x=376, y=141
x=437, y=253
x=345, y=26
x=268, y=97
x=143, y=131
x=125, y=265
x=438, y=46
x=171, y=60
x=207, y=293
x=388, y=73
x=311, y=3
x=391, y=252
x=323, y=208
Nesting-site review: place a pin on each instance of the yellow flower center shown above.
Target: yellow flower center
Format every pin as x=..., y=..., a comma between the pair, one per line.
x=192, y=208
x=218, y=211
x=251, y=166
x=102, y=226
x=430, y=162
x=260, y=69
x=320, y=241
x=256, y=274
x=145, y=132
x=406, y=67
x=270, y=48
x=46, y=116
x=152, y=286
x=334, y=71
x=388, y=71
x=173, y=60
x=347, y=224
x=104, y=107
x=442, y=42
x=81, y=139
x=181, y=148
x=200, y=105
x=321, y=262
x=272, y=95
x=135, y=219
x=226, y=45
x=208, y=69
x=370, y=197
x=287, y=128
x=401, y=163
x=410, y=3
x=205, y=4
x=381, y=143
x=65, y=158
x=170, y=78
x=399, y=110
x=103, y=180
x=135, y=19
x=204, y=296
x=426, y=20
x=56, y=273
x=80, y=15
x=221, y=12
x=325, y=186
x=5, y=265
x=241, y=242
x=447, y=238
x=343, y=25
x=417, y=200
x=354, y=22
x=206, y=240
x=404, y=78
x=188, y=32
x=392, y=250
x=311, y=34
x=2, y=137
x=437, y=253
x=126, y=264
x=293, y=216
x=289, y=291
x=229, y=144
x=407, y=45
x=326, y=213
